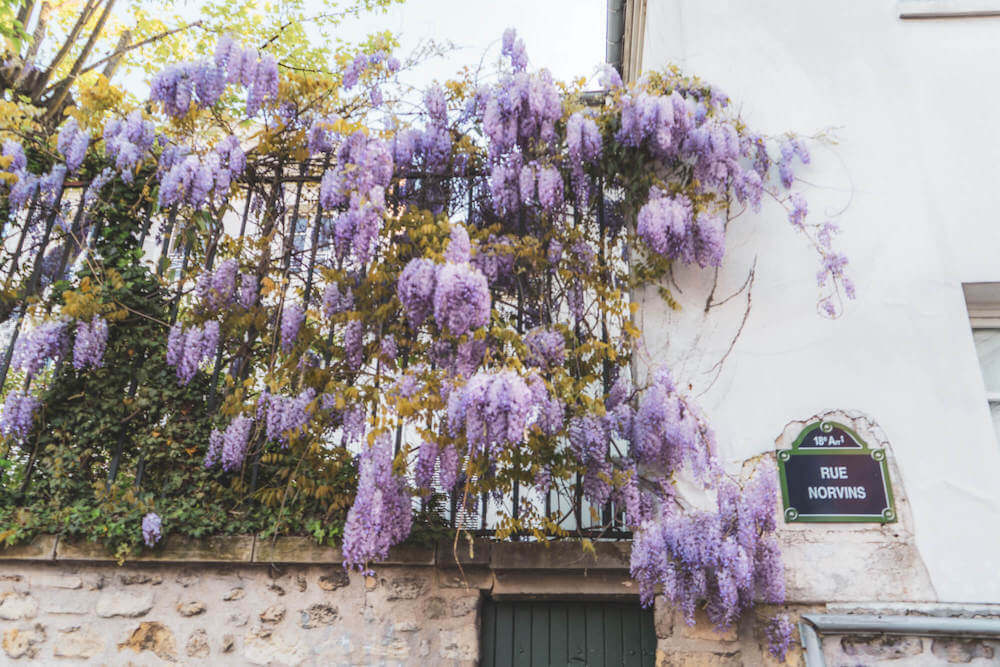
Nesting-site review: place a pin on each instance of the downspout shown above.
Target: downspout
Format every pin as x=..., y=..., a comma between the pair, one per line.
x=615, y=34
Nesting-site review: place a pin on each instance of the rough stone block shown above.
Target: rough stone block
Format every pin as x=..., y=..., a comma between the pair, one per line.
x=135, y=578
x=191, y=608
x=80, y=642
x=235, y=594
x=273, y=614
x=152, y=636
x=478, y=553
x=197, y=644
x=663, y=617
x=129, y=605
x=17, y=606
x=23, y=642
x=435, y=607
x=961, y=650
x=267, y=648
x=464, y=606
x=337, y=578
x=559, y=556
x=319, y=614
x=883, y=647
x=406, y=588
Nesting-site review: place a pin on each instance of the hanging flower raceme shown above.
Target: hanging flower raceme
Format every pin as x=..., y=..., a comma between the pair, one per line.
x=492, y=410
x=128, y=142
x=381, y=516
x=461, y=298
x=188, y=348
x=152, y=529
x=91, y=339
x=216, y=289
x=42, y=344
x=230, y=446
x=18, y=414
x=73, y=142
x=286, y=415
x=292, y=318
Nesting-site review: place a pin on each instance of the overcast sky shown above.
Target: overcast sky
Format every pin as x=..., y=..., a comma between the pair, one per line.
x=566, y=36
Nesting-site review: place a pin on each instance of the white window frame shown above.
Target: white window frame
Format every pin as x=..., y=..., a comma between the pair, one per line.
x=983, y=303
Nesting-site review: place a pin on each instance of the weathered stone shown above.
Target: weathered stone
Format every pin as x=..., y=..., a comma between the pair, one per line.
x=703, y=628
x=406, y=588
x=459, y=644
x=273, y=614
x=67, y=604
x=235, y=594
x=186, y=579
x=42, y=547
x=425, y=648
x=276, y=589
x=239, y=620
x=294, y=550
x=96, y=583
x=80, y=642
x=17, y=606
x=48, y=580
x=882, y=646
x=197, y=644
x=406, y=626
x=134, y=578
x=228, y=644
x=319, y=614
x=465, y=605
x=698, y=659
x=152, y=636
x=371, y=583
x=23, y=642
x=336, y=579
x=192, y=608
x=435, y=607
x=300, y=582
x=560, y=556
x=265, y=648
x=11, y=577
x=961, y=650
x=392, y=647
x=129, y=605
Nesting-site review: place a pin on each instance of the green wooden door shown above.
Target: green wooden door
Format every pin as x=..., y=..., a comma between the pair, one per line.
x=538, y=634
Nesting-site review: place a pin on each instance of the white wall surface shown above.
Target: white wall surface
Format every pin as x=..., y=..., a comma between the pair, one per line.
x=915, y=107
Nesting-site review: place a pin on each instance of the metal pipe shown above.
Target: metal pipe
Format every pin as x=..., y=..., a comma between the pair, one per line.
x=615, y=33
x=927, y=626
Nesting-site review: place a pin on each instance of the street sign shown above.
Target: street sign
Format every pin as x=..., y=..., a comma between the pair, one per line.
x=831, y=475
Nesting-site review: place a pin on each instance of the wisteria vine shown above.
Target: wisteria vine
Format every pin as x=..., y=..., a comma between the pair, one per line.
x=447, y=296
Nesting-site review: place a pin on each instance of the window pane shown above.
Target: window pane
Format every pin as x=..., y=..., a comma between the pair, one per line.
x=988, y=349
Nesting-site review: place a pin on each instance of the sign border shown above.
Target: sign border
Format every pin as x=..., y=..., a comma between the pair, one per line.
x=792, y=515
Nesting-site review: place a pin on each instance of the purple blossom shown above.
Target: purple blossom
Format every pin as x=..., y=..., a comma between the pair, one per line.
x=583, y=138
x=461, y=298
x=459, y=246
x=73, y=143
x=779, y=631
x=186, y=349
x=799, y=210
x=448, y=463
x=152, y=529
x=423, y=471
x=248, y=291
x=550, y=189
x=34, y=349
x=381, y=514
x=492, y=410
x=231, y=445
x=286, y=415
x=546, y=348
x=291, y=321
x=265, y=85
x=91, y=339
x=666, y=224
x=387, y=346
x=14, y=150
x=354, y=348
x=18, y=414
x=335, y=301
x=415, y=289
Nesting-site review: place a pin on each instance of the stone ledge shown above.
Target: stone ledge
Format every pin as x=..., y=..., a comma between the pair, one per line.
x=42, y=547
x=499, y=556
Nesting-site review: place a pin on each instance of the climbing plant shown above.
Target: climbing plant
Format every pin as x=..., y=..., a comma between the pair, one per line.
x=297, y=301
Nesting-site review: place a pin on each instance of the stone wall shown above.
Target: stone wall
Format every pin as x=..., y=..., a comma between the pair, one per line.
x=202, y=614
x=247, y=601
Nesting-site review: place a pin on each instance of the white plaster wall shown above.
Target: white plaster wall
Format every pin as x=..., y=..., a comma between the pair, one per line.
x=915, y=171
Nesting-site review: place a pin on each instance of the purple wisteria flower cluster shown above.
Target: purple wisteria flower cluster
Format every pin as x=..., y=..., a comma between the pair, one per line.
x=203, y=82
x=152, y=527
x=196, y=181
x=91, y=339
x=37, y=347
x=188, y=348
x=381, y=516
x=18, y=414
x=128, y=142
x=229, y=447
x=73, y=142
